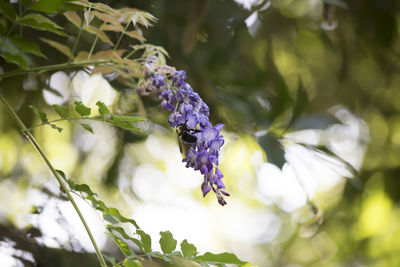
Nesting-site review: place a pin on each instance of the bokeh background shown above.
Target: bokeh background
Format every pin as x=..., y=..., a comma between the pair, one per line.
x=309, y=94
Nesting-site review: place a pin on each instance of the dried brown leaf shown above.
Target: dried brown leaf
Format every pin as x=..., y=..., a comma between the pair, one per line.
x=105, y=17
x=108, y=54
x=102, y=35
x=103, y=70
x=73, y=17
x=136, y=34
x=112, y=27
x=106, y=9
x=82, y=55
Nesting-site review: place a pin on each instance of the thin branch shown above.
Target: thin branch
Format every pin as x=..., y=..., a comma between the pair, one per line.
x=92, y=47
x=76, y=42
x=96, y=118
x=53, y=121
x=120, y=37
x=42, y=69
x=33, y=141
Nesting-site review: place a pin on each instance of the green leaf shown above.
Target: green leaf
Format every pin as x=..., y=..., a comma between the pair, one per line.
x=301, y=102
x=157, y=254
x=281, y=123
x=84, y=188
x=48, y=6
x=103, y=110
x=62, y=111
x=281, y=92
x=81, y=108
x=26, y=45
x=71, y=184
x=21, y=60
x=60, y=47
x=117, y=214
x=59, y=129
x=124, y=122
x=124, y=125
x=117, y=118
x=40, y=114
x=110, y=260
x=123, y=246
x=8, y=10
x=224, y=258
x=122, y=232
x=146, y=240
x=87, y=127
x=62, y=174
x=97, y=204
x=188, y=250
x=167, y=242
x=40, y=22
x=13, y=54
x=109, y=218
x=132, y=263
x=273, y=148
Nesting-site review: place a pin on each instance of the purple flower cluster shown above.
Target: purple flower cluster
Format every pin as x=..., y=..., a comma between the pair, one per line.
x=187, y=108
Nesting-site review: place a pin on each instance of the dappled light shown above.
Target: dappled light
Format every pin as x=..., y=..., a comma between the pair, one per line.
x=199, y=133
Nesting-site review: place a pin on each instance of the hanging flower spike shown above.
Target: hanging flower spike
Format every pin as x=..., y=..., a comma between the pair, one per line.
x=187, y=108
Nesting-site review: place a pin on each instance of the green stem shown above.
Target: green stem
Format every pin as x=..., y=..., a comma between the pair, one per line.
x=41, y=69
x=58, y=120
x=30, y=137
x=92, y=47
x=120, y=37
x=131, y=53
x=76, y=42
x=96, y=118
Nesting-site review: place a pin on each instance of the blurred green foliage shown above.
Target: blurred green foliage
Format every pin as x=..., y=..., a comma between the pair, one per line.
x=282, y=73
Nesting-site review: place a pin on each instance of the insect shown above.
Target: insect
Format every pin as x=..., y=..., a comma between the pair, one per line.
x=186, y=137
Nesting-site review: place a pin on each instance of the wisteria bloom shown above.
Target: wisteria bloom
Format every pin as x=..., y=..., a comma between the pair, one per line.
x=187, y=108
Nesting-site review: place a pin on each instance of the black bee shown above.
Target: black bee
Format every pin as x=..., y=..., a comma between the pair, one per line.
x=186, y=137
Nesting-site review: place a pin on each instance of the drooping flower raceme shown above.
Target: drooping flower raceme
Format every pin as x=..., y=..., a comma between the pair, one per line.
x=187, y=108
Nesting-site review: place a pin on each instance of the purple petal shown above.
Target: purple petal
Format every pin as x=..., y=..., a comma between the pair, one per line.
x=204, y=170
x=210, y=133
x=221, y=200
x=218, y=173
x=205, y=187
x=204, y=122
x=191, y=121
x=219, y=126
x=216, y=144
